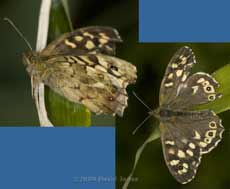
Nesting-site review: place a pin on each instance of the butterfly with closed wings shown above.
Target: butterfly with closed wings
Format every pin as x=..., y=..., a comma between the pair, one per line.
x=81, y=66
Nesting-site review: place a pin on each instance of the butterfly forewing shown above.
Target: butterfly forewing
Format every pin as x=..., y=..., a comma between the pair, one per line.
x=176, y=74
x=201, y=88
x=94, y=39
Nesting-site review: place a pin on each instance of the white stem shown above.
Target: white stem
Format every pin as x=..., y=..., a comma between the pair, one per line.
x=43, y=24
x=38, y=89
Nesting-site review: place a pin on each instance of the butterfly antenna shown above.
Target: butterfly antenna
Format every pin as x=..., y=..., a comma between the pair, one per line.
x=141, y=124
x=142, y=102
x=18, y=32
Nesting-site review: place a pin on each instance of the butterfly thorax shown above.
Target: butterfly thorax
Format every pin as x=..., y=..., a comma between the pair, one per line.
x=162, y=113
x=165, y=113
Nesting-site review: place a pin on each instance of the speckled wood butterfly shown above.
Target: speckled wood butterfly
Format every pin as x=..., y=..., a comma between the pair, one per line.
x=81, y=66
x=186, y=134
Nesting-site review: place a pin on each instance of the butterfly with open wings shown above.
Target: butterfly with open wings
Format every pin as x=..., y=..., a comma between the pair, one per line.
x=187, y=134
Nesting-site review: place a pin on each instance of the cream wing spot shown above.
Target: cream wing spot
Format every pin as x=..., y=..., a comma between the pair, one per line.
x=189, y=152
x=211, y=97
x=103, y=35
x=194, y=163
x=205, y=83
x=201, y=80
x=179, y=73
x=78, y=38
x=103, y=41
x=197, y=135
x=209, y=89
x=180, y=154
x=99, y=85
x=212, y=125
x=183, y=59
x=174, y=65
x=171, y=151
x=195, y=89
x=184, y=77
x=88, y=34
x=101, y=68
x=192, y=145
x=170, y=76
x=185, y=165
x=89, y=45
x=184, y=140
x=170, y=142
x=174, y=162
x=70, y=44
x=169, y=84
x=208, y=140
x=202, y=144
x=210, y=134
x=184, y=170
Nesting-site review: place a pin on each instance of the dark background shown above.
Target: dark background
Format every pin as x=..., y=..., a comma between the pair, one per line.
x=17, y=107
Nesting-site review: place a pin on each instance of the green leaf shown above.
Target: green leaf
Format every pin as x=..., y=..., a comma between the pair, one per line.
x=62, y=112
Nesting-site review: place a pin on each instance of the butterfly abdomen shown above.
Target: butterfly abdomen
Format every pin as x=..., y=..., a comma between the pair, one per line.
x=165, y=113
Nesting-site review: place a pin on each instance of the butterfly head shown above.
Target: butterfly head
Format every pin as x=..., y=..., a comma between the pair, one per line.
x=29, y=58
x=155, y=113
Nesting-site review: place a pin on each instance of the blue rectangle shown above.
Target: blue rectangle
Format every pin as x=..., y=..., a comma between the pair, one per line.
x=184, y=21
x=58, y=158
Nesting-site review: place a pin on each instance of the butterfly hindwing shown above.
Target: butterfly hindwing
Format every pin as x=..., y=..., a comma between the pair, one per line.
x=184, y=140
x=181, y=165
x=176, y=74
x=97, y=81
x=94, y=39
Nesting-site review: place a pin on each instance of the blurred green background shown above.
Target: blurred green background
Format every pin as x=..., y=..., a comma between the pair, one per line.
x=17, y=107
